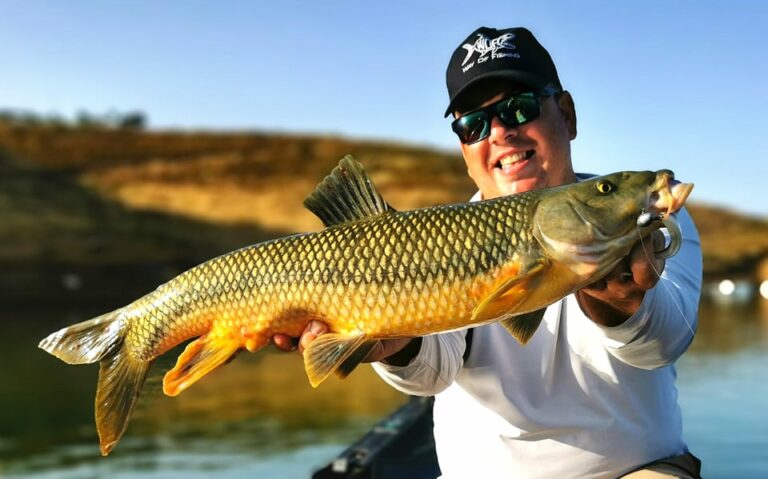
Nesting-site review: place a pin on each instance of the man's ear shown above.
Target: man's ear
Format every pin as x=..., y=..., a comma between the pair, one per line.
x=568, y=110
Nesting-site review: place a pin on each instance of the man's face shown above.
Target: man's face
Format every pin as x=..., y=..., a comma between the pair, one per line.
x=527, y=157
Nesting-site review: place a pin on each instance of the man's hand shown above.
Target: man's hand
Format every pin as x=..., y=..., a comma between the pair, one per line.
x=613, y=299
x=385, y=350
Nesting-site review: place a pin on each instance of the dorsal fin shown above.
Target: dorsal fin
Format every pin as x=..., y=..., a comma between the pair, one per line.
x=347, y=194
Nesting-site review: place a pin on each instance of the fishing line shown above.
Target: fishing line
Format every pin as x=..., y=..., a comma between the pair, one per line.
x=661, y=280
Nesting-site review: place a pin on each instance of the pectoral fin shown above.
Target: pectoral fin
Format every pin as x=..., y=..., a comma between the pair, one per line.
x=335, y=352
x=509, y=294
x=507, y=297
x=200, y=357
x=523, y=326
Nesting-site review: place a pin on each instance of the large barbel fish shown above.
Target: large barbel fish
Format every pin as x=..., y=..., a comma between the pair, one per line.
x=372, y=273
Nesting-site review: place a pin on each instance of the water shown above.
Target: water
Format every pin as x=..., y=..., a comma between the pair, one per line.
x=258, y=417
x=723, y=387
x=255, y=417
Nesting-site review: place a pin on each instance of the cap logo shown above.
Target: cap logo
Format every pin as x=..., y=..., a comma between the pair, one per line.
x=485, y=45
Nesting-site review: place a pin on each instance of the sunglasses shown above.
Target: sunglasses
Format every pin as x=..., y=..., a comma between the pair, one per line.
x=513, y=111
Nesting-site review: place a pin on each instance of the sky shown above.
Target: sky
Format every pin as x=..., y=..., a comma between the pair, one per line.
x=657, y=84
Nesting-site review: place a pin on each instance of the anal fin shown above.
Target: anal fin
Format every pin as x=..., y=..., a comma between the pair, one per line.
x=200, y=357
x=335, y=352
x=357, y=356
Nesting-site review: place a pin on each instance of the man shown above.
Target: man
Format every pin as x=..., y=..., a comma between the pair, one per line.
x=592, y=395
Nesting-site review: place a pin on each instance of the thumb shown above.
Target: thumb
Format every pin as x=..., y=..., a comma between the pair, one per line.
x=311, y=332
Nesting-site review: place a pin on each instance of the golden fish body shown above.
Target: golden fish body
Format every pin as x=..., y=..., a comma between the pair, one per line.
x=373, y=273
x=400, y=274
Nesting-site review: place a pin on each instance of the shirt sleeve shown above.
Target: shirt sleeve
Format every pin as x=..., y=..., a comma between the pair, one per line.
x=664, y=325
x=433, y=369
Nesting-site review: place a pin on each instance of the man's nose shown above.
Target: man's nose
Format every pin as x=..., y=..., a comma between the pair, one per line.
x=500, y=132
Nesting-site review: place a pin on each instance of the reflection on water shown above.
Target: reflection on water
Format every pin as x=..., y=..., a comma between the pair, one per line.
x=257, y=413
x=723, y=386
x=258, y=416
x=730, y=328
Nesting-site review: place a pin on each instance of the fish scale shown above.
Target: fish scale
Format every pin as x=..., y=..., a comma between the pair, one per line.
x=373, y=273
x=328, y=258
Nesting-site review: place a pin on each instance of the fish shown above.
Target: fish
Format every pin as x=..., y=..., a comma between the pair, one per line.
x=372, y=273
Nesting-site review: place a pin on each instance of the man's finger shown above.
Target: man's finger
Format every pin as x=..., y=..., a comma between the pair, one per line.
x=285, y=342
x=311, y=332
x=646, y=267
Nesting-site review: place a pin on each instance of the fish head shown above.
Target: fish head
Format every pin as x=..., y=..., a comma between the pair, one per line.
x=593, y=224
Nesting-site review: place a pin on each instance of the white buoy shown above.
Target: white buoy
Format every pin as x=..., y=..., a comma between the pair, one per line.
x=764, y=289
x=726, y=287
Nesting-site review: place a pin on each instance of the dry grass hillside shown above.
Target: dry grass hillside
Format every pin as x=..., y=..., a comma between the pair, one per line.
x=732, y=243
x=82, y=199
x=230, y=178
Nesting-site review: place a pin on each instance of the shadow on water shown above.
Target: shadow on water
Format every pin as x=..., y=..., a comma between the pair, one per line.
x=258, y=416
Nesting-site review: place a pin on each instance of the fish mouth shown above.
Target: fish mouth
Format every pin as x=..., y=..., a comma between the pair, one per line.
x=666, y=198
x=667, y=194
x=508, y=161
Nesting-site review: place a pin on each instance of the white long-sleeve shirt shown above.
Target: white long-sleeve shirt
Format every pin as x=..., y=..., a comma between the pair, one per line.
x=580, y=400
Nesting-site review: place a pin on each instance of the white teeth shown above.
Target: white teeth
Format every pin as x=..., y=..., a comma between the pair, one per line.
x=513, y=158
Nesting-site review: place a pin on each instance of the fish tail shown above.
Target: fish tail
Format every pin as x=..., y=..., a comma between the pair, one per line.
x=86, y=342
x=121, y=376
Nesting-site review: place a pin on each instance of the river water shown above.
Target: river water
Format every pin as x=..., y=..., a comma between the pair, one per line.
x=258, y=417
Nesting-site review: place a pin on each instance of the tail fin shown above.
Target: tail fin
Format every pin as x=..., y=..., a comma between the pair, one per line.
x=121, y=376
x=86, y=342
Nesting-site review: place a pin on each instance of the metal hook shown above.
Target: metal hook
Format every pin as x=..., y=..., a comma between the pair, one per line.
x=646, y=218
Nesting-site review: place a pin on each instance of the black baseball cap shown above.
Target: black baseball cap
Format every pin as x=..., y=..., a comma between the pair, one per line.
x=513, y=54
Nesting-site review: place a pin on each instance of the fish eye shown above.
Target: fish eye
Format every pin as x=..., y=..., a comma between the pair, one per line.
x=605, y=187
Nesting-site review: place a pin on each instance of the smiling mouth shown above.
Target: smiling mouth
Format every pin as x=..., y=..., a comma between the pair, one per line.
x=508, y=160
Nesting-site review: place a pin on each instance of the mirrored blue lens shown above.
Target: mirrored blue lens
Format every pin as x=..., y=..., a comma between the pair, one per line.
x=513, y=111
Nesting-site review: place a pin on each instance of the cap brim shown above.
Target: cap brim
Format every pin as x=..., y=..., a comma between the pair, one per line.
x=527, y=79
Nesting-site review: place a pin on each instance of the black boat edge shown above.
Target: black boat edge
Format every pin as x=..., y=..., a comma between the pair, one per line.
x=400, y=445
